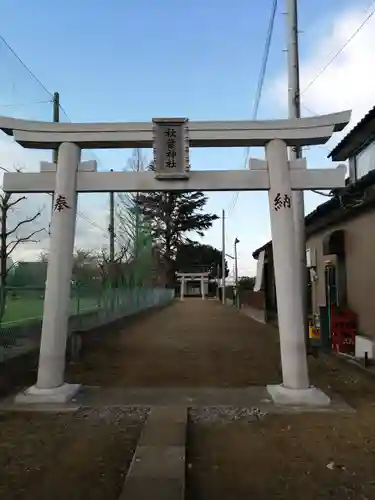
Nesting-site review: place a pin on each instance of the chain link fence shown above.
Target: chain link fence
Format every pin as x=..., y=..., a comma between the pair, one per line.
x=90, y=307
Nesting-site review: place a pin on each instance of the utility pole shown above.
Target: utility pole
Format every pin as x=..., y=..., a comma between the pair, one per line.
x=223, y=257
x=111, y=227
x=137, y=223
x=55, y=119
x=294, y=106
x=111, y=231
x=217, y=281
x=137, y=214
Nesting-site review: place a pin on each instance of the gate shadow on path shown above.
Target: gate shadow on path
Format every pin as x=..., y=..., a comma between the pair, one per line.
x=193, y=343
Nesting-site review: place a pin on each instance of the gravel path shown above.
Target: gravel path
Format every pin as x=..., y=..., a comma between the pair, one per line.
x=224, y=415
x=194, y=343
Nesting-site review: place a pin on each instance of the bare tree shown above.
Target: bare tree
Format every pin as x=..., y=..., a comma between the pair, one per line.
x=85, y=265
x=12, y=238
x=131, y=229
x=111, y=271
x=128, y=217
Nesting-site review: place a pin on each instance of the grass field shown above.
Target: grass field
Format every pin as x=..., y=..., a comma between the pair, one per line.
x=29, y=308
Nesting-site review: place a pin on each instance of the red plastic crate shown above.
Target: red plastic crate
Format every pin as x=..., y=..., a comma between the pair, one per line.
x=343, y=329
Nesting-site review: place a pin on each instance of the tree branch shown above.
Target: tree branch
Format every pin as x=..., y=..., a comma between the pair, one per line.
x=12, y=245
x=6, y=204
x=22, y=222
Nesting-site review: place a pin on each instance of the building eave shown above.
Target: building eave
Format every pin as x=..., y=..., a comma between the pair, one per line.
x=356, y=138
x=325, y=209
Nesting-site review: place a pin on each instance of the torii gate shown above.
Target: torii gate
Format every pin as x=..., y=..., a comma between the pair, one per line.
x=171, y=139
x=183, y=278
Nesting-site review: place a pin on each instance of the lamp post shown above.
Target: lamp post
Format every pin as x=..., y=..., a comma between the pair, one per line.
x=223, y=257
x=236, y=241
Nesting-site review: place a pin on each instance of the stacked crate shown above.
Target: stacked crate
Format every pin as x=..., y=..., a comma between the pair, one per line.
x=343, y=330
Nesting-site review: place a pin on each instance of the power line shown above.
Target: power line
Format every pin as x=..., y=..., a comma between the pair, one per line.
x=23, y=105
x=333, y=58
x=266, y=53
x=32, y=74
x=260, y=85
x=339, y=51
x=328, y=64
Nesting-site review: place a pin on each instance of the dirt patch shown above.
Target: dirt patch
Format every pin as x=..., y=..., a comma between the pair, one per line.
x=79, y=457
x=195, y=343
x=335, y=375
x=310, y=455
x=325, y=456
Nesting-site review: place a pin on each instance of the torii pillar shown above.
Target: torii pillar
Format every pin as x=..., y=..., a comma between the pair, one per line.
x=295, y=388
x=182, y=288
x=290, y=316
x=202, y=288
x=50, y=382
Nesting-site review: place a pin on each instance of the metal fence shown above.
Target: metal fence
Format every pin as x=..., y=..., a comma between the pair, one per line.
x=89, y=308
x=25, y=304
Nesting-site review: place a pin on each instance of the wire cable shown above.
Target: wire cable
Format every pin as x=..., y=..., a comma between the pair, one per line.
x=328, y=64
x=32, y=74
x=23, y=105
x=333, y=58
x=259, y=90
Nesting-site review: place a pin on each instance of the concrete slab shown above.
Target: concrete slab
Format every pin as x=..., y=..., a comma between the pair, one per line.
x=243, y=397
x=140, y=488
x=182, y=398
x=178, y=397
x=11, y=406
x=159, y=461
x=157, y=470
x=298, y=397
x=34, y=395
x=171, y=435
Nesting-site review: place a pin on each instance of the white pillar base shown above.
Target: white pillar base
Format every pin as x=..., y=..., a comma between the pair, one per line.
x=298, y=397
x=34, y=395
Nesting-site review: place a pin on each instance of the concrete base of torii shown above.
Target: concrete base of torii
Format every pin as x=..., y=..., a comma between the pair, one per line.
x=34, y=395
x=312, y=396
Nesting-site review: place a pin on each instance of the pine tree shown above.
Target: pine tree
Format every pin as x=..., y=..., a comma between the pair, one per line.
x=172, y=216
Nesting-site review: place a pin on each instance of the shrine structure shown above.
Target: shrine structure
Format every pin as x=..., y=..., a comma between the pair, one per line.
x=184, y=278
x=171, y=139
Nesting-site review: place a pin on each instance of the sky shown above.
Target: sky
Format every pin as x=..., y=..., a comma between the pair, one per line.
x=121, y=60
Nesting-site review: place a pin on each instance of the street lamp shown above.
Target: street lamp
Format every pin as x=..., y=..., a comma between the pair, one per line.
x=236, y=241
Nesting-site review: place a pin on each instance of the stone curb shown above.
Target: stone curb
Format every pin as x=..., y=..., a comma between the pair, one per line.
x=157, y=471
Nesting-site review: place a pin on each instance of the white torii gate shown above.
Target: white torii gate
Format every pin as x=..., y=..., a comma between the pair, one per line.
x=185, y=277
x=171, y=139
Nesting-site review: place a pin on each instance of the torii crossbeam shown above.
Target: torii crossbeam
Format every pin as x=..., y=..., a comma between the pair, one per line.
x=171, y=139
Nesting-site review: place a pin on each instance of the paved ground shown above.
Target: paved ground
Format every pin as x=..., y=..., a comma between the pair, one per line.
x=192, y=346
